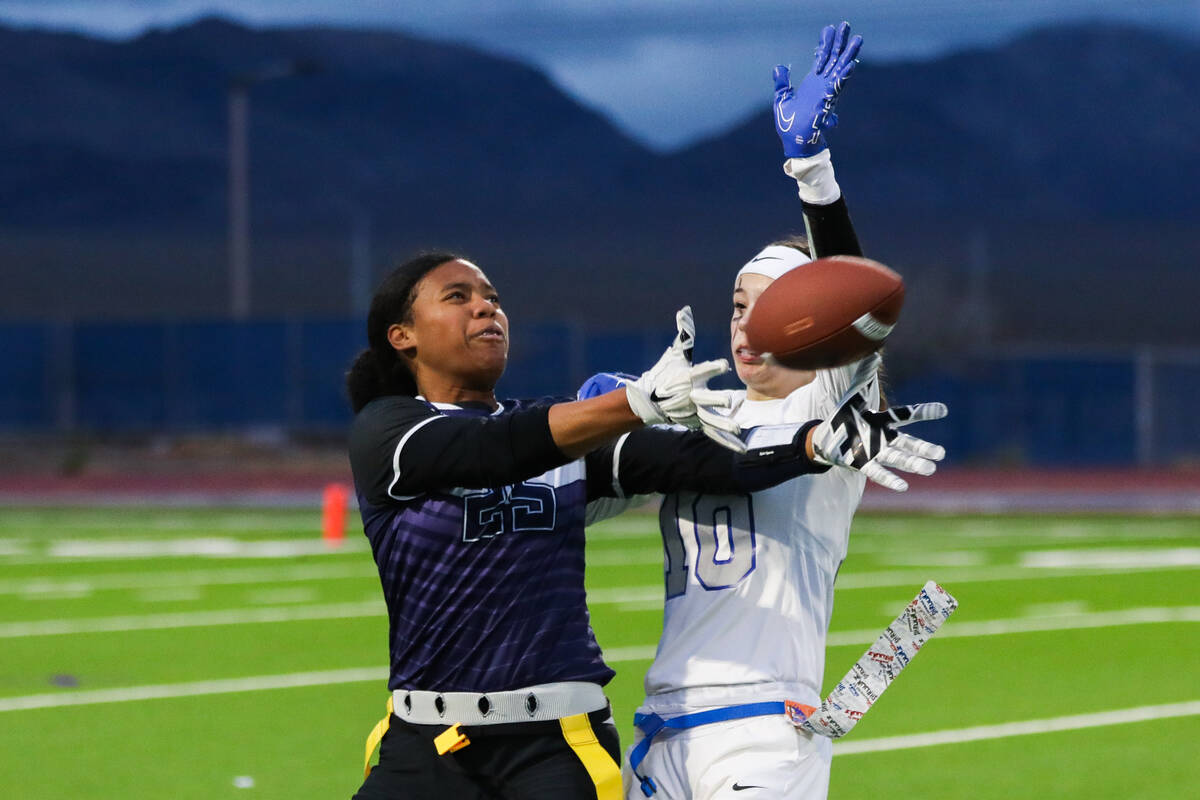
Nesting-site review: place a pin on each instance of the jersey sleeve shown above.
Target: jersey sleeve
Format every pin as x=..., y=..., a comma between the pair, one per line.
x=830, y=231
x=661, y=460
x=401, y=448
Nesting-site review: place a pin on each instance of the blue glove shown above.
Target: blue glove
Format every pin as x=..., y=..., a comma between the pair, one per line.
x=803, y=114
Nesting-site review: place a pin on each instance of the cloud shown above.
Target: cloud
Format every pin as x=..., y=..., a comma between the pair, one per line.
x=649, y=64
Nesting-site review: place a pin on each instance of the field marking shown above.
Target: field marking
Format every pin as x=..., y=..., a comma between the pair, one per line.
x=1058, y=622
x=168, y=690
x=1113, y=558
x=297, y=680
x=636, y=652
x=258, y=683
x=1004, y=730
x=624, y=557
x=1034, y=569
x=621, y=595
x=191, y=619
x=84, y=585
x=874, y=541
x=169, y=521
x=649, y=597
x=994, y=627
x=376, y=608
x=893, y=578
x=945, y=558
x=196, y=577
x=205, y=546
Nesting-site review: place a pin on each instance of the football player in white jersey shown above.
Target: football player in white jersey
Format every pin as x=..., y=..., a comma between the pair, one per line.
x=749, y=578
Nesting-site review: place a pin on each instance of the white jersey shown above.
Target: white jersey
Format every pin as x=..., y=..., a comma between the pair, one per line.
x=749, y=578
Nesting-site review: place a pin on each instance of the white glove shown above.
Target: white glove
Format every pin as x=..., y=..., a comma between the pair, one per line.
x=860, y=439
x=673, y=390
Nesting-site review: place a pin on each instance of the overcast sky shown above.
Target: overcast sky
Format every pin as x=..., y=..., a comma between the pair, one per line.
x=667, y=71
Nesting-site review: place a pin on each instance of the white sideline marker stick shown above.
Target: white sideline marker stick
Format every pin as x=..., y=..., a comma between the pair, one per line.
x=884, y=660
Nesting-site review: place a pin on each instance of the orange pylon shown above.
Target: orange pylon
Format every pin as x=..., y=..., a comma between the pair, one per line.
x=333, y=515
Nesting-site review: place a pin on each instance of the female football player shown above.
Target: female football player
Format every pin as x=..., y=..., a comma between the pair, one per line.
x=475, y=512
x=749, y=576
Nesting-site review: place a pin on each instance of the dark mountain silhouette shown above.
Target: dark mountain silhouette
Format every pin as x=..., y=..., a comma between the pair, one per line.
x=1027, y=192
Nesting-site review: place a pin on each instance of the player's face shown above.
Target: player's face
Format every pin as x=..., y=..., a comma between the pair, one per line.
x=764, y=380
x=458, y=336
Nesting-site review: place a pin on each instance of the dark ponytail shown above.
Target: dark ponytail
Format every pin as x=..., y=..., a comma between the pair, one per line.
x=379, y=370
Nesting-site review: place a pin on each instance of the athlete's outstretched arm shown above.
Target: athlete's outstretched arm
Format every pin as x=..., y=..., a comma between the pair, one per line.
x=401, y=446
x=803, y=114
x=661, y=460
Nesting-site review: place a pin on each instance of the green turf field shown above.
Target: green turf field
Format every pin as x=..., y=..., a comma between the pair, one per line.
x=226, y=653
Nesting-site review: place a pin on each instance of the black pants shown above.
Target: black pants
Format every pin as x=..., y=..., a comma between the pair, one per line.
x=518, y=761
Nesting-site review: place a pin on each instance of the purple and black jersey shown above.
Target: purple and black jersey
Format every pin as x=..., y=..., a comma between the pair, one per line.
x=476, y=521
x=483, y=577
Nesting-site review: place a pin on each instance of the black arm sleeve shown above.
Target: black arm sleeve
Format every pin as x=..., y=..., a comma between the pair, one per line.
x=399, y=448
x=654, y=460
x=830, y=231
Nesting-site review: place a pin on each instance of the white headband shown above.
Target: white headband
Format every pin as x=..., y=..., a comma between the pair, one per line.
x=773, y=261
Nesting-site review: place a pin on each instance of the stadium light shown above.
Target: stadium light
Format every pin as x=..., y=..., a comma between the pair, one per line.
x=239, y=175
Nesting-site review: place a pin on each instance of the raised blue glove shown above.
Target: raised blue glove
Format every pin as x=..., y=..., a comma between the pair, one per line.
x=803, y=114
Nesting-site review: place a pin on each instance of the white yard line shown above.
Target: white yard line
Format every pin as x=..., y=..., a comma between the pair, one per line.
x=619, y=595
x=1113, y=558
x=191, y=619
x=66, y=551
x=296, y=680
x=166, y=521
x=645, y=597
x=375, y=608
x=1061, y=622
x=1035, y=567
x=166, y=690
x=86, y=584
x=948, y=576
x=205, y=546
x=257, y=683
x=1122, y=716
x=624, y=557
x=994, y=627
x=883, y=534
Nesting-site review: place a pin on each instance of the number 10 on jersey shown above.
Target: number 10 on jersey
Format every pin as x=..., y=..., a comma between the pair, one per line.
x=712, y=535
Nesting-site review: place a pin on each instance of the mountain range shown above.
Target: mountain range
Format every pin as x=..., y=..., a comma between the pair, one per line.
x=1043, y=191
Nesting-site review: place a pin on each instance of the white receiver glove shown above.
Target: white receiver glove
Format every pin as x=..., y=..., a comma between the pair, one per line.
x=858, y=438
x=675, y=391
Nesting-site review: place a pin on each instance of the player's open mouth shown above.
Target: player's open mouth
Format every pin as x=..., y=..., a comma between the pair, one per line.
x=747, y=356
x=495, y=334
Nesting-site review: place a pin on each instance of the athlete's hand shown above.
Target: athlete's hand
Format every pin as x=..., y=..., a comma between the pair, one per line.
x=803, y=114
x=867, y=441
x=676, y=391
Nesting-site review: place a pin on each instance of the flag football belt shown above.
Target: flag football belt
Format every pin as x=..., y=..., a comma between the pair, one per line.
x=544, y=702
x=652, y=724
x=569, y=704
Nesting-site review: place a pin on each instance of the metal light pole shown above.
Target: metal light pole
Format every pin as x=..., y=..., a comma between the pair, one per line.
x=239, y=177
x=239, y=202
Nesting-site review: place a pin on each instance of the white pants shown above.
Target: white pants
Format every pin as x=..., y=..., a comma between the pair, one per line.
x=742, y=759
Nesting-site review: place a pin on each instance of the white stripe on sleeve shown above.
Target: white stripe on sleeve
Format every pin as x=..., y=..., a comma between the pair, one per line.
x=396, y=458
x=616, y=467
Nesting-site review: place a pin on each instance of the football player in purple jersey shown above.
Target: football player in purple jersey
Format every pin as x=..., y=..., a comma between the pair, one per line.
x=475, y=511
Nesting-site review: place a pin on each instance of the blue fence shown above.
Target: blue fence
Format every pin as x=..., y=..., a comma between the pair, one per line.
x=219, y=376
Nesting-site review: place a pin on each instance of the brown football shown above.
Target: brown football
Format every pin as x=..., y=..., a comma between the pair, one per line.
x=826, y=313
